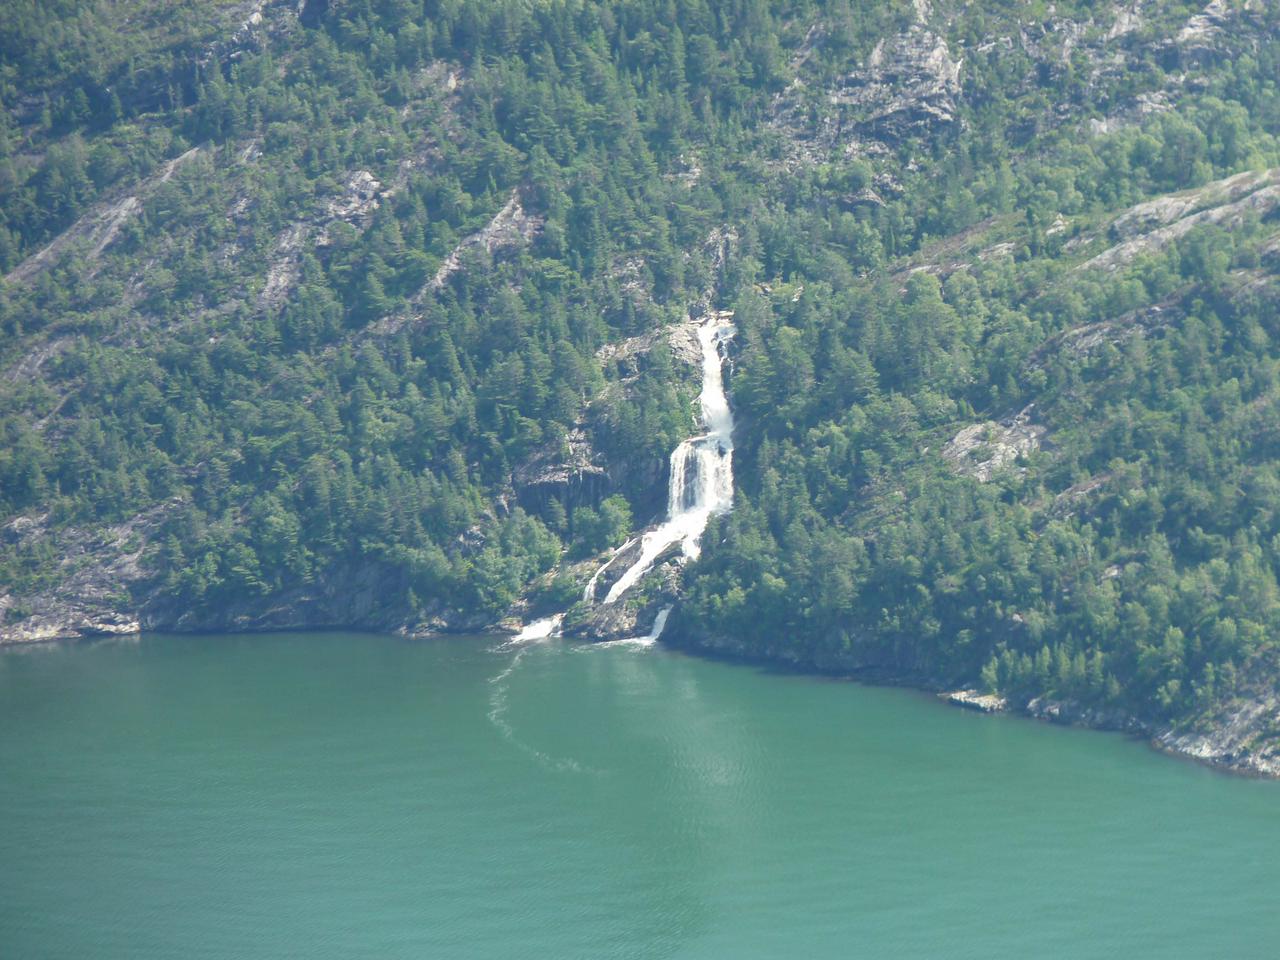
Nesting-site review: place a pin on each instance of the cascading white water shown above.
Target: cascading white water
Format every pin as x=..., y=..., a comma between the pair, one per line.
x=659, y=624
x=589, y=593
x=701, y=486
x=649, y=639
x=701, y=467
x=539, y=629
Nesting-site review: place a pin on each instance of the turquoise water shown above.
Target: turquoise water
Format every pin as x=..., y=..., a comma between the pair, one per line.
x=342, y=796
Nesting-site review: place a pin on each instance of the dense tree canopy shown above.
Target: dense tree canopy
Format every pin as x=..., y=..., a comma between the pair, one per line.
x=271, y=315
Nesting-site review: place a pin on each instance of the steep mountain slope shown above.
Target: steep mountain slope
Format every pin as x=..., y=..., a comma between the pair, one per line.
x=1037, y=453
x=301, y=372
x=369, y=312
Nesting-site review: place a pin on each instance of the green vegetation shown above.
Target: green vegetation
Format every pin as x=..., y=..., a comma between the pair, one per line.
x=1132, y=562
x=329, y=338
x=299, y=438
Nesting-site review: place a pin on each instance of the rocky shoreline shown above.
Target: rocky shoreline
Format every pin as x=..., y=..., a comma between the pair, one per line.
x=1225, y=744
x=1243, y=739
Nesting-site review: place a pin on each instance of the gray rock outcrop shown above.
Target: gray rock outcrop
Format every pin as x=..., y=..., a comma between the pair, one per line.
x=1245, y=738
x=975, y=700
x=981, y=450
x=908, y=84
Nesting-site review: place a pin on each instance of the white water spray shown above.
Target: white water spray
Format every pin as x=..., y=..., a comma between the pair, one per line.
x=649, y=639
x=539, y=629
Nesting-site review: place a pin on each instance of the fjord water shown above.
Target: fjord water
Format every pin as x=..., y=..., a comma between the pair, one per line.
x=340, y=796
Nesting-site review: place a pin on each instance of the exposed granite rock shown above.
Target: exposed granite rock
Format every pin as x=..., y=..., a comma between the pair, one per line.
x=615, y=621
x=915, y=81
x=973, y=700
x=1203, y=27
x=1077, y=714
x=682, y=338
x=622, y=558
x=1132, y=113
x=908, y=85
x=1106, y=50
x=284, y=269
x=982, y=449
x=1146, y=217
x=367, y=594
x=853, y=661
x=1225, y=202
x=510, y=226
x=1086, y=339
x=94, y=230
x=687, y=171
x=571, y=471
x=53, y=621
x=1071, y=499
x=1245, y=737
x=1213, y=35
x=99, y=568
x=866, y=197
x=358, y=200
x=1128, y=20
x=632, y=616
x=109, y=583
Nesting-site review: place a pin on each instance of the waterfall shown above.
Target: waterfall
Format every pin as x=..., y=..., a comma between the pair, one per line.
x=701, y=467
x=589, y=594
x=539, y=629
x=701, y=486
x=659, y=624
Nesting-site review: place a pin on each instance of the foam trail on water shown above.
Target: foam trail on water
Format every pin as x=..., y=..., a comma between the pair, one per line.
x=498, y=708
x=701, y=482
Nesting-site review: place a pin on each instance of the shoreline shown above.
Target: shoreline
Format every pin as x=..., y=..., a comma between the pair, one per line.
x=1040, y=709
x=1057, y=713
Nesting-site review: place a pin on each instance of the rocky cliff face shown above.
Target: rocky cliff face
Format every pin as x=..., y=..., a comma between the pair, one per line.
x=982, y=449
x=574, y=470
x=1244, y=738
x=906, y=86
x=97, y=571
x=570, y=470
x=854, y=662
x=916, y=83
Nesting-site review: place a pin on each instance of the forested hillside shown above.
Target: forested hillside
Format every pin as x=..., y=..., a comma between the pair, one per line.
x=367, y=313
